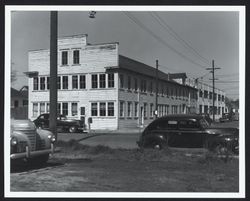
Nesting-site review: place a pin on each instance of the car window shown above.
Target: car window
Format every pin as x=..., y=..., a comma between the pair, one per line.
x=204, y=123
x=188, y=125
x=163, y=125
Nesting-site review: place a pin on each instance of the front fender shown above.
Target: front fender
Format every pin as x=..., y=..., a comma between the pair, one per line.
x=43, y=134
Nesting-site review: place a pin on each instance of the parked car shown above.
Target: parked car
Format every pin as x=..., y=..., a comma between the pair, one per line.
x=225, y=117
x=29, y=143
x=63, y=123
x=190, y=131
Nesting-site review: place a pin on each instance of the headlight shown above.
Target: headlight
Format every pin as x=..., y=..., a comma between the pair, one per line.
x=52, y=138
x=228, y=139
x=13, y=141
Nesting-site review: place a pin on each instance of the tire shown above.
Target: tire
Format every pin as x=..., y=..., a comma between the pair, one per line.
x=221, y=149
x=157, y=145
x=72, y=129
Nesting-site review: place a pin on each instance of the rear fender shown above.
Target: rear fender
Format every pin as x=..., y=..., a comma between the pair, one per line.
x=154, y=138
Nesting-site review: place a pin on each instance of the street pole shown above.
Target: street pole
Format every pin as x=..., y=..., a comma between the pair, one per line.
x=213, y=79
x=156, y=90
x=53, y=73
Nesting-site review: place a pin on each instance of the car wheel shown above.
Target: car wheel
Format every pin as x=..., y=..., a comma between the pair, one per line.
x=72, y=129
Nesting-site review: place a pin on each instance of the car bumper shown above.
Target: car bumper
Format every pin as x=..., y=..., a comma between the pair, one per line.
x=31, y=154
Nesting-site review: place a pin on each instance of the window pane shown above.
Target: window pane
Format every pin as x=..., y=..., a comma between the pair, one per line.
x=65, y=82
x=74, y=109
x=94, y=81
x=42, y=108
x=102, y=109
x=65, y=109
x=35, y=83
x=136, y=109
x=76, y=57
x=102, y=80
x=110, y=109
x=74, y=82
x=121, y=81
x=93, y=109
x=42, y=83
x=35, y=109
x=47, y=108
x=58, y=108
x=121, y=109
x=129, y=109
x=82, y=82
x=111, y=81
x=64, y=57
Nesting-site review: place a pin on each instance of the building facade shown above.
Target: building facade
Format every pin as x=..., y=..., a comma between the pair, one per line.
x=95, y=81
x=19, y=103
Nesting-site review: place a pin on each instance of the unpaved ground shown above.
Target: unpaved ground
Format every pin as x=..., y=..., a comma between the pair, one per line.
x=101, y=169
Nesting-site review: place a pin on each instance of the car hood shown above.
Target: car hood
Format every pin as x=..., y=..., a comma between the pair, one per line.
x=22, y=125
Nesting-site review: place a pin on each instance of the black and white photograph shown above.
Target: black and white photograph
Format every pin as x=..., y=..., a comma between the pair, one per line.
x=125, y=101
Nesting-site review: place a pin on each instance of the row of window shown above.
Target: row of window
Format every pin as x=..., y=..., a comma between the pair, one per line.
x=149, y=86
x=78, y=82
x=102, y=109
x=131, y=109
x=62, y=108
x=209, y=95
x=209, y=110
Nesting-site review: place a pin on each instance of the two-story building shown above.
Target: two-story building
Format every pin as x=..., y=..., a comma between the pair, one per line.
x=95, y=81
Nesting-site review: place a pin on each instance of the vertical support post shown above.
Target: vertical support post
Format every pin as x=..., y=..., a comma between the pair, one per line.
x=53, y=73
x=156, y=90
x=213, y=88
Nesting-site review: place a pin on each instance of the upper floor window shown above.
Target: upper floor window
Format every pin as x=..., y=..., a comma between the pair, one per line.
x=82, y=82
x=121, y=80
x=102, y=80
x=42, y=83
x=74, y=82
x=64, y=57
x=76, y=57
x=94, y=81
x=111, y=80
x=35, y=83
x=65, y=82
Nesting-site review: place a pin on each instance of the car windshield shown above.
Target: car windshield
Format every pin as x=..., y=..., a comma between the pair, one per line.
x=204, y=123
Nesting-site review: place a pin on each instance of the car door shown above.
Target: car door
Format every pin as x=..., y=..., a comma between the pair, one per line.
x=190, y=133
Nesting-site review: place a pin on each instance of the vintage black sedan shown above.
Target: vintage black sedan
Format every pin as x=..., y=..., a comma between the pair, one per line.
x=188, y=131
x=63, y=123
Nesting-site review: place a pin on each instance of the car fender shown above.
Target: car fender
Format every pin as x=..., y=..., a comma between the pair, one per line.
x=44, y=135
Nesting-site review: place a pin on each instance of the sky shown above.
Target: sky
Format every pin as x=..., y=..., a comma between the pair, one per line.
x=182, y=41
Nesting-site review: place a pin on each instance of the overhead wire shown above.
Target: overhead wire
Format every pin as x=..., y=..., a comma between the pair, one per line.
x=137, y=22
x=177, y=37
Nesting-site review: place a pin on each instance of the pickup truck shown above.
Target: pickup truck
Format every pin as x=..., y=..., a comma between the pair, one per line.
x=189, y=131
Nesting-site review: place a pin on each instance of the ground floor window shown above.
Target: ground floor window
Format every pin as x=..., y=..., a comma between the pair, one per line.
x=35, y=109
x=102, y=109
x=145, y=110
x=74, y=109
x=93, y=109
x=136, y=109
x=42, y=108
x=151, y=110
x=111, y=109
x=129, y=109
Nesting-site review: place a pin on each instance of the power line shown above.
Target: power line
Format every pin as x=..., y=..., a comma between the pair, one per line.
x=137, y=22
x=177, y=37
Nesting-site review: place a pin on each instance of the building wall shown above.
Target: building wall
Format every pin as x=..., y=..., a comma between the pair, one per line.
x=96, y=60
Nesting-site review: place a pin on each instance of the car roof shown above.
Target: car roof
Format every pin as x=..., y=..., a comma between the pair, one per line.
x=182, y=116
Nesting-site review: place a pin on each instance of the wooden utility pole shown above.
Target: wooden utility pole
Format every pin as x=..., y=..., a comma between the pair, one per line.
x=53, y=73
x=156, y=90
x=213, y=79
